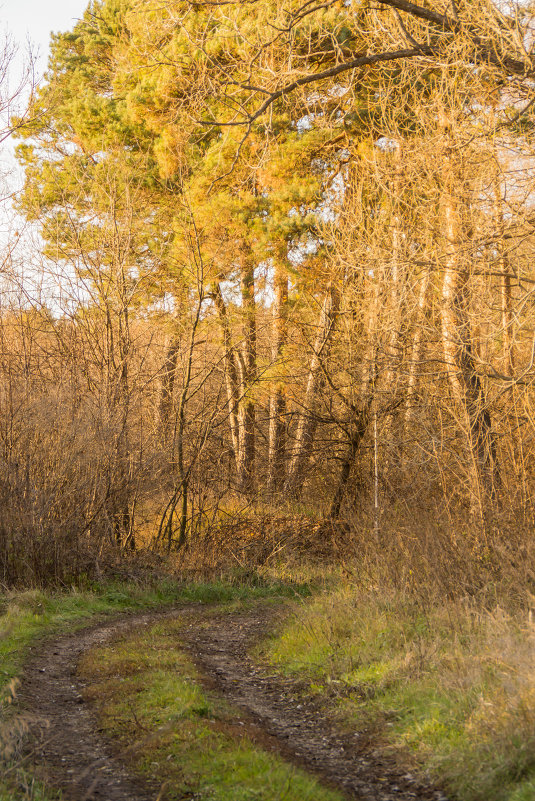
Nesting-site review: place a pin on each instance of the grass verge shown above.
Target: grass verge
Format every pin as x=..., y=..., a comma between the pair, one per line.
x=149, y=700
x=450, y=689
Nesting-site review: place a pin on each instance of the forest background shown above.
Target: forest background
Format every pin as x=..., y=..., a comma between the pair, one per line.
x=288, y=307
x=288, y=256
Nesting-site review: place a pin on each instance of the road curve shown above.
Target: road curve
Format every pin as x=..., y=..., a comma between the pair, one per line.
x=68, y=749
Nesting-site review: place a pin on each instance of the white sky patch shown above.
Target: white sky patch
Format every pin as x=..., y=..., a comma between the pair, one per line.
x=386, y=144
x=28, y=24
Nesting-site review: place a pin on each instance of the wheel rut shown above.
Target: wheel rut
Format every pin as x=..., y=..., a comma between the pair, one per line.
x=68, y=749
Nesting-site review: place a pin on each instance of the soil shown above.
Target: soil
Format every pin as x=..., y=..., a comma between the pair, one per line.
x=70, y=752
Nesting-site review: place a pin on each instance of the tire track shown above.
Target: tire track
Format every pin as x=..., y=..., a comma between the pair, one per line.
x=69, y=750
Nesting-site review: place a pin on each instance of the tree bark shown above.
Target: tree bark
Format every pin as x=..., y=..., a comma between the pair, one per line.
x=360, y=427
x=231, y=371
x=277, y=403
x=396, y=284
x=168, y=382
x=506, y=303
x=247, y=365
x=457, y=344
x=307, y=422
x=417, y=348
x=391, y=330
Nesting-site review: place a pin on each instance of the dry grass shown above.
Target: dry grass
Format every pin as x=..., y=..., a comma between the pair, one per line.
x=449, y=688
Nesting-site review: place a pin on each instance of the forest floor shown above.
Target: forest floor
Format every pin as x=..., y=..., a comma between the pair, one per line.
x=74, y=749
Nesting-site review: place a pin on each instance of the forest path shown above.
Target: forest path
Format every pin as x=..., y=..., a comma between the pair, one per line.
x=69, y=748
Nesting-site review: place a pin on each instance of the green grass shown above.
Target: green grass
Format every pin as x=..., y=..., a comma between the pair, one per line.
x=27, y=789
x=450, y=689
x=149, y=699
x=26, y=616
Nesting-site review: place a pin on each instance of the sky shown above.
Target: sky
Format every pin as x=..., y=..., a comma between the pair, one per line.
x=27, y=21
x=36, y=19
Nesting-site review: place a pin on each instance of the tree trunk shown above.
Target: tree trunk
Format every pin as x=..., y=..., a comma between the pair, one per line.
x=458, y=347
x=359, y=430
x=231, y=371
x=307, y=423
x=168, y=382
x=506, y=304
x=396, y=284
x=247, y=363
x=119, y=404
x=417, y=348
x=393, y=314
x=277, y=402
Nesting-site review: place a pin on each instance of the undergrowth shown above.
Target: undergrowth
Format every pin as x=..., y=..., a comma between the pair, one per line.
x=450, y=689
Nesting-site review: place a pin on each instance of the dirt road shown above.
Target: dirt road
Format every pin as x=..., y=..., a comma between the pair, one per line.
x=68, y=748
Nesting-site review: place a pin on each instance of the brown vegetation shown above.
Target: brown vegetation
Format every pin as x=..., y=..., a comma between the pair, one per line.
x=319, y=303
